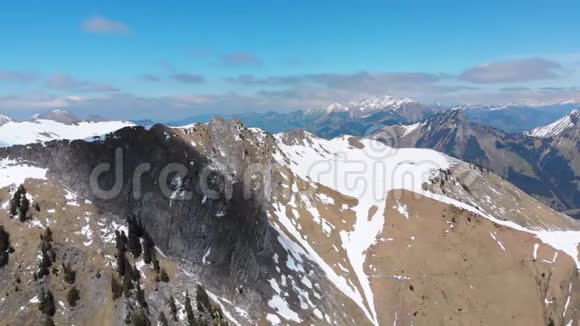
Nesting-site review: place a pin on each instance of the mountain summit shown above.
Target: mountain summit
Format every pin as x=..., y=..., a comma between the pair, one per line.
x=556, y=128
x=370, y=105
x=4, y=119
x=61, y=116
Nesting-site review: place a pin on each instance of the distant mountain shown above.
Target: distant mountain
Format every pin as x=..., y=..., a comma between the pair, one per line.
x=60, y=116
x=354, y=118
x=362, y=117
x=558, y=127
x=514, y=118
x=54, y=125
x=143, y=123
x=546, y=168
x=4, y=119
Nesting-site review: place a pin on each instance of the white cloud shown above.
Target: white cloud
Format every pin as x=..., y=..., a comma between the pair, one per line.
x=102, y=25
x=519, y=70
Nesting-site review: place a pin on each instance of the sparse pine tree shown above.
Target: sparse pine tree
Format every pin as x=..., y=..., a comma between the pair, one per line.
x=127, y=285
x=202, y=299
x=4, y=246
x=48, y=322
x=46, y=305
x=172, y=308
x=46, y=236
x=73, y=296
x=134, y=243
x=116, y=288
x=189, y=311
x=45, y=260
x=163, y=276
x=24, y=208
x=148, y=248
x=69, y=274
x=16, y=199
x=141, y=297
x=121, y=263
x=162, y=320
x=120, y=241
x=216, y=312
x=156, y=266
x=138, y=318
x=135, y=274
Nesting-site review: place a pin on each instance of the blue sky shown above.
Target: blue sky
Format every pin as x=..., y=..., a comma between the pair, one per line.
x=145, y=59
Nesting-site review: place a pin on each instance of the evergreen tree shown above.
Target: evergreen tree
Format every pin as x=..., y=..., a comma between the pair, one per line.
x=189, y=311
x=138, y=318
x=202, y=299
x=162, y=320
x=135, y=274
x=46, y=236
x=69, y=274
x=73, y=296
x=156, y=266
x=45, y=261
x=172, y=308
x=46, y=305
x=120, y=241
x=121, y=263
x=127, y=285
x=134, y=243
x=16, y=200
x=148, y=248
x=163, y=276
x=216, y=312
x=24, y=207
x=141, y=297
x=116, y=288
x=4, y=246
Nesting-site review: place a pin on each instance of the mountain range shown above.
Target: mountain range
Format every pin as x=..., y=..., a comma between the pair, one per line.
x=544, y=162
x=261, y=228
x=353, y=118
x=362, y=117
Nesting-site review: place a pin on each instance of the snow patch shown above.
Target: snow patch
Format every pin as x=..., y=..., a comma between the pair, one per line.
x=15, y=173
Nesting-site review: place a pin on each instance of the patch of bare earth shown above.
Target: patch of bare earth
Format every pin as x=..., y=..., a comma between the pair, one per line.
x=436, y=264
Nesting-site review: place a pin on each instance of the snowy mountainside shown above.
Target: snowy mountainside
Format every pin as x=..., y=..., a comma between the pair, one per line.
x=53, y=126
x=336, y=231
x=547, y=168
x=370, y=104
x=4, y=119
x=557, y=127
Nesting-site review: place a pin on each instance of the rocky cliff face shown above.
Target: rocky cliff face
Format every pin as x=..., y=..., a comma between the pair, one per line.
x=285, y=228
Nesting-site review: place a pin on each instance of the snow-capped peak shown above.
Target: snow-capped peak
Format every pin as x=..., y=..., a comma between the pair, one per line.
x=336, y=107
x=4, y=119
x=381, y=102
x=371, y=103
x=557, y=127
x=57, y=115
